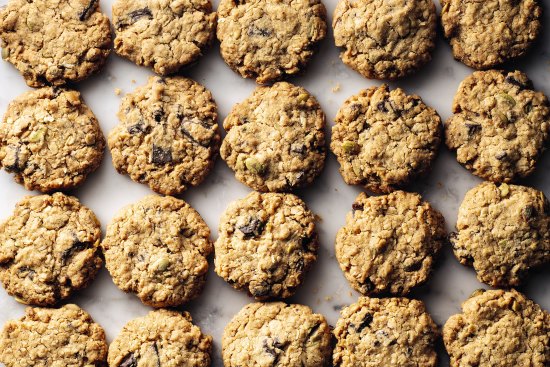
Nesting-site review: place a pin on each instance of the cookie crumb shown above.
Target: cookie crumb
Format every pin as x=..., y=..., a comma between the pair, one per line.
x=118, y=91
x=336, y=88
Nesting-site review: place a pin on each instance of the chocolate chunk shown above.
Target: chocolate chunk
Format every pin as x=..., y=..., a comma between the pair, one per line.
x=76, y=247
x=161, y=156
x=313, y=331
x=306, y=243
x=157, y=115
x=511, y=80
x=255, y=31
x=367, y=320
x=138, y=128
x=382, y=106
x=253, y=228
x=473, y=129
x=128, y=361
x=188, y=135
x=357, y=206
x=87, y=10
x=134, y=16
x=16, y=165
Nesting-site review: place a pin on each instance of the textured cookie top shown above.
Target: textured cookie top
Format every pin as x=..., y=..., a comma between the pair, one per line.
x=55, y=41
x=162, y=338
x=385, y=39
x=49, y=248
x=163, y=34
x=503, y=231
x=500, y=125
x=276, y=334
x=65, y=336
x=487, y=33
x=275, y=139
x=389, y=243
x=266, y=243
x=384, y=139
x=168, y=134
x=385, y=332
x=269, y=39
x=50, y=140
x=498, y=328
x=157, y=248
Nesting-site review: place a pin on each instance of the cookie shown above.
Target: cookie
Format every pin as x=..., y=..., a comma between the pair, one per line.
x=389, y=243
x=384, y=39
x=266, y=244
x=385, y=332
x=276, y=334
x=503, y=231
x=49, y=248
x=385, y=139
x=485, y=34
x=268, y=40
x=498, y=328
x=162, y=338
x=65, y=336
x=275, y=139
x=164, y=35
x=53, y=42
x=500, y=125
x=158, y=249
x=50, y=140
x=168, y=134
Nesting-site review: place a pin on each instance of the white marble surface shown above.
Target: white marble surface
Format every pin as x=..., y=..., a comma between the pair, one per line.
x=325, y=288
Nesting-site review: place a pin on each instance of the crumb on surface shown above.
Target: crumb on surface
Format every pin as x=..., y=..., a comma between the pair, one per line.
x=118, y=91
x=336, y=88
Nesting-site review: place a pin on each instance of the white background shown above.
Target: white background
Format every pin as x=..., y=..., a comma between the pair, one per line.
x=325, y=288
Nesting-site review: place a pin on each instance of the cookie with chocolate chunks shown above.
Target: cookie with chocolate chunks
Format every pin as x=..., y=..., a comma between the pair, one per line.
x=168, y=135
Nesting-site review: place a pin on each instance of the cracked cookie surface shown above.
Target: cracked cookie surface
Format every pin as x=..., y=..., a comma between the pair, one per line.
x=498, y=328
x=500, y=125
x=503, y=232
x=65, y=336
x=389, y=243
x=266, y=244
x=50, y=140
x=275, y=139
x=268, y=40
x=269, y=334
x=384, y=139
x=162, y=338
x=168, y=135
x=163, y=34
x=485, y=34
x=49, y=248
x=52, y=42
x=385, y=39
x=158, y=249
x=385, y=332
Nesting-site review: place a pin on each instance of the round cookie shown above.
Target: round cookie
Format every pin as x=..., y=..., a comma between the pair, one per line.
x=266, y=244
x=65, y=336
x=269, y=334
x=275, y=139
x=165, y=35
x=268, y=40
x=162, y=338
x=385, y=332
x=385, y=39
x=484, y=34
x=500, y=125
x=389, y=243
x=158, y=249
x=503, y=231
x=49, y=248
x=50, y=140
x=498, y=328
x=168, y=134
x=385, y=139
x=52, y=42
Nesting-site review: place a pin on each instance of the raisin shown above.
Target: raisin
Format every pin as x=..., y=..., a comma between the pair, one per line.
x=367, y=320
x=157, y=115
x=501, y=156
x=382, y=106
x=76, y=247
x=357, y=206
x=128, y=361
x=367, y=285
x=414, y=266
x=134, y=16
x=16, y=165
x=298, y=148
x=255, y=31
x=473, y=129
x=161, y=156
x=253, y=228
x=529, y=212
x=138, y=128
x=87, y=11
x=511, y=80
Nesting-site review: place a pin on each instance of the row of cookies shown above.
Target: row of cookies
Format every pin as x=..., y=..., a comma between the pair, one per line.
x=168, y=135
x=52, y=42
x=370, y=332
